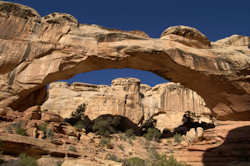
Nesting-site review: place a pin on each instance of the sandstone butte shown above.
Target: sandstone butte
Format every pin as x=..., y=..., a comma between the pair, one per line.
x=35, y=51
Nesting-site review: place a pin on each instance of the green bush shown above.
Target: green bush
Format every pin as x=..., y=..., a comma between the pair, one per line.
x=21, y=131
x=103, y=128
x=130, y=133
x=79, y=112
x=48, y=132
x=43, y=127
x=26, y=160
x=80, y=124
x=134, y=161
x=177, y=138
x=1, y=160
x=121, y=147
x=152, y=134
x=130, y=141
x=106, y=125
x=106, y=142
x=18, y=128
x=72, y=148
x=113, y=157
x=59, y=163
x=166, y=161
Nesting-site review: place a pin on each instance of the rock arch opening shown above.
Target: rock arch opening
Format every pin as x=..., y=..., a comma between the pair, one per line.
x=165, y=103
x=105, y=77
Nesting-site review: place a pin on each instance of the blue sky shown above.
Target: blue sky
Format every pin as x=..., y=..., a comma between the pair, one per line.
x=216, y=19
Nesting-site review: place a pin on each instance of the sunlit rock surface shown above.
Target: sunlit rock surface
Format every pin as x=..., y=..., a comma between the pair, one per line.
x=166, y=103
x=35, y=51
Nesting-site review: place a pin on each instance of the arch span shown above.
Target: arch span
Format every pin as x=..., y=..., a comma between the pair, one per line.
x=35, y=51
x=106, y=76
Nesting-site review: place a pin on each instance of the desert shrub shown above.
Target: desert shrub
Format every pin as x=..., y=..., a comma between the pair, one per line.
x=177, y=138
x=123, y=137
x=152, y=134
x=121, y=147
x=72, y=148
x=21, y=131
x=48, y=132
x=1, y=160
x=76, y=115
x=241, y=51
x=130, y=133
x=43, y=127
x=105, y=141
x=18, y=124
x=134, y=161
x=26, y=160
x=166, y=161
x=59, y=163
x=151, y=149
x=106, y=125
x=18, y=128
x=113, y=157
x=84, y=123
x=79, y=112
x=130, y=141
x=103, y=128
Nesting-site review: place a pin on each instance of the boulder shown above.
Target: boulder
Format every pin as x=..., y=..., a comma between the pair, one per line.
x=181, y=33
x=194, y=135
x=51, y=117
x=32, y=113
x=8, y=114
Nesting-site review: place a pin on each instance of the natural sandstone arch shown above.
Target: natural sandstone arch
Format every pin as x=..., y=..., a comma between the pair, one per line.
x=35, y=51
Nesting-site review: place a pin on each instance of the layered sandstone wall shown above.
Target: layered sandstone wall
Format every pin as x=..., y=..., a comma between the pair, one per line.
x=167, y=103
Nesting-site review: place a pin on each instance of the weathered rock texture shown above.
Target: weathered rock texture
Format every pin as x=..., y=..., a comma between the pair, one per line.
x=35, y=51
x=225, y=145
x=167, y=103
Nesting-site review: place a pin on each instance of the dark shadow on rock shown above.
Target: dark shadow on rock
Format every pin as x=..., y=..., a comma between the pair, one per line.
x=235, y=151
x=189, y=122
x=115, y=123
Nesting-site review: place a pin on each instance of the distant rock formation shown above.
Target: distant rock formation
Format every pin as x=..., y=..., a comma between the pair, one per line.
x=35, y=51
x=166, y=103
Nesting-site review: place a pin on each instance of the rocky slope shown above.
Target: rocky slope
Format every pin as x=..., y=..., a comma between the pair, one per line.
x=35, y=51
x=166, y=103
x=225, y=145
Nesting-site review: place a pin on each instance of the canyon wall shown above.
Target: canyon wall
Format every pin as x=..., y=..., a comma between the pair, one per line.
x=166, y=103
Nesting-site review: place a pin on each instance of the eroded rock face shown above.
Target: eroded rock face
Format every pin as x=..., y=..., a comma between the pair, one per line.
x=182, y=33
x=34, y=52
x=121, y=98
x=166, y=103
